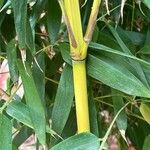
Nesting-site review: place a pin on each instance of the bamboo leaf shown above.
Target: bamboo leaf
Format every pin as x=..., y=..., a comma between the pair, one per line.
x=12, y=57
x=146, y=145
x=29, y=40
x=101, y=47
x=147, y=3
x=34, y=102
x=21, y=113
x=145, y=111
x=37, y=11
x=5, y=133
x=63, y=100
x=20, y=19
x=39, y=75
x=1, y=3
x=83, y=141
x=121, y=78
x=23, y=134
x=92, y=112
x=53, y=20
x=125, y=49
x=121, y=120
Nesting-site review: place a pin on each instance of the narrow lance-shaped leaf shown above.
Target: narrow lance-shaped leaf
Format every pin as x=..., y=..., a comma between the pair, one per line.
x=63, y=100
x=145, y=111
x=112, y=74
x=37, y=11
x=5, y=133
x=104, y=48
x=21, y=113
x=53, y=20
x=92, y=112
x=147, y=3
x=34, y=102
x=20, y=19
x=39, y=75
x=121, y=120
x=146, y=145
x=1, y=3
x=125, y=49
x=29, y=40
x=121, y=78
x=12, y=57
x=83, y=141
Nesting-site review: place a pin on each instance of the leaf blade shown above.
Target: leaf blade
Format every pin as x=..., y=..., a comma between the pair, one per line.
x=34, y=102
x=5, y=133
x=63, y=100
x=81, y=141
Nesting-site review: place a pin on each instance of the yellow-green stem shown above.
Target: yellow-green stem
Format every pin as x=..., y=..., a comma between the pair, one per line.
x=81, y=98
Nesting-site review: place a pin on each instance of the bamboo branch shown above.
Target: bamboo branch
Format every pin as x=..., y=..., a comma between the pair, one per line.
x=92, y=21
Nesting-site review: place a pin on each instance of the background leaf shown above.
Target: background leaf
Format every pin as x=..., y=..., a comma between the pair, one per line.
x=146, y=145
x=53, y=20
x=20, y=19
x=121, y=120
x=21, y=113
x=12, y=57
x=5, y=133
x=145, y=111
x=63, y=100
x=34, y=102
x=147, y=3
x=81, y=141
x=121, y=78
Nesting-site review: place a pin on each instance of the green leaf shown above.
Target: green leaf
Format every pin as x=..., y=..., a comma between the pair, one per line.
x=70, y=128
x=104, y=48
x=1, y=3
x=116, y=76
x=5, y=6
x=34, y=102
x=29, y=40
x=5, y=133
x=146, y=145
x=63, y=100
x=92, y=112
x=111, y=73
x=125, y=49
x=147, y=3
x=146, y=48
x=21, y=113
x=12, y=57
x=121, y=120
x=145, y=111
x=39, y=75
x=116, y=13
x=131, y=37
x=83, y=141
x=53, y=19
x=21, y=137
x=2, y=16
x=37, y=11
x=20, y=19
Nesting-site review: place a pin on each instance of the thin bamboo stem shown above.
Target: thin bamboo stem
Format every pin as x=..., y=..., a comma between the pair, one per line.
x=80, y=88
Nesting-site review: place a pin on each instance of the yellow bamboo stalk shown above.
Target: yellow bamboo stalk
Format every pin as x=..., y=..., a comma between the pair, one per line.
x=78, y=46
x=80, y=88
